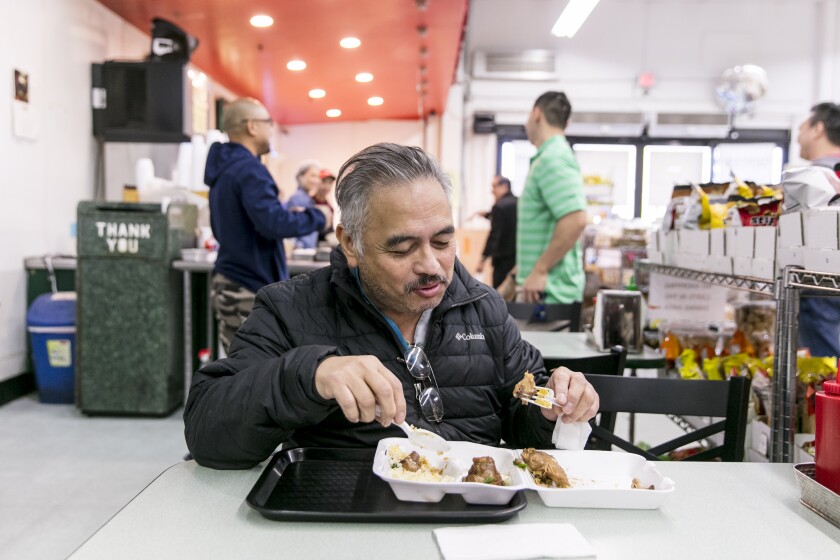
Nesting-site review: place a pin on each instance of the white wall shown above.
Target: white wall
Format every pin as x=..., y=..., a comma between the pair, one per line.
x=55, y=41
x=43, y=179
x=332, y=144
x=685, y=43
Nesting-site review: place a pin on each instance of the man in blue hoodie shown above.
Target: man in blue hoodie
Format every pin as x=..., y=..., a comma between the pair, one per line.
x=247, y=217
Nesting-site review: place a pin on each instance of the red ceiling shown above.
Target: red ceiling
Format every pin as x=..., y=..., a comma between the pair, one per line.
x=252, y=62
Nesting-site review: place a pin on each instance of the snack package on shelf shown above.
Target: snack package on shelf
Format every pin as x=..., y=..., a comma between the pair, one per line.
x=809, y=187
x=755, y=323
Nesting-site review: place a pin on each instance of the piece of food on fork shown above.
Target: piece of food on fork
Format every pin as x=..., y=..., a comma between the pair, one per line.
x=528, y=392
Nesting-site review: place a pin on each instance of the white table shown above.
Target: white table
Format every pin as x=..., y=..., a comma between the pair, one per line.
x=559, y=345
x=719, y=510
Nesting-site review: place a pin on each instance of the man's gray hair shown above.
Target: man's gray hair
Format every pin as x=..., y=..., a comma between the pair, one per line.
x=377, y=166
x=306, y=166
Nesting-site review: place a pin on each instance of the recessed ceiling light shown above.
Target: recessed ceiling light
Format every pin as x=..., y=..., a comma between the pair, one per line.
x=333, y=113
x=350, y=42
x=262, y=20
x=364, y=77
x=317, y=93
x=375, y=101
x=296, y=65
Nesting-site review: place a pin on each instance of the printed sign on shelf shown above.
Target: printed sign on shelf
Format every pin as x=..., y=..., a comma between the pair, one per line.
x=678, y=299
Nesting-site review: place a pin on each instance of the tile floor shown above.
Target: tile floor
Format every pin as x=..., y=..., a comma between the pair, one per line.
x=63, y=475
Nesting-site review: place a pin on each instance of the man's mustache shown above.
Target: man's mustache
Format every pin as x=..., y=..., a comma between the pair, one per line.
x=426, y=280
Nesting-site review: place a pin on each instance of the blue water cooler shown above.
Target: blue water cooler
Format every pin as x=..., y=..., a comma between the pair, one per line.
x=51, y=322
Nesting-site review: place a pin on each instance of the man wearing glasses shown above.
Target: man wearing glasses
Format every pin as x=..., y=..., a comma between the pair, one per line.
x=395, y=329
x=248, y=220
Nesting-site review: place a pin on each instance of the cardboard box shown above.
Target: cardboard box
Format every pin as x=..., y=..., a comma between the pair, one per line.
x=821, y=260
x=764, y=269
x=790, y=230
x=717, y=242
x=741, y=266
x=821, y=227
x=765, y=242
x=790, y=256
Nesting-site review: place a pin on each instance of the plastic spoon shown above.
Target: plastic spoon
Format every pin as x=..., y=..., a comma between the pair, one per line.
x=421, y=437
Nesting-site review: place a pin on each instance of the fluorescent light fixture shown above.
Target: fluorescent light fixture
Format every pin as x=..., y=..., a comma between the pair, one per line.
x=364, y=77
x=317, y=93
x=296, y=65
x=333, y=113
x=262, y=20
x=350, y=42
x=572, y=18
x=374, y=101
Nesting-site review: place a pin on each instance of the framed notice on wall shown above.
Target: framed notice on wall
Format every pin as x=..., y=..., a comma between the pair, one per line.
x=678, y=299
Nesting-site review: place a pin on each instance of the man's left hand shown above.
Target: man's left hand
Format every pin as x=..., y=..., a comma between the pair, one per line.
x=534, y=287
x=578, y=397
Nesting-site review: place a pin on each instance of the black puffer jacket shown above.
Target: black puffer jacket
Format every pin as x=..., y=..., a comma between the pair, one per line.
x=242, y=407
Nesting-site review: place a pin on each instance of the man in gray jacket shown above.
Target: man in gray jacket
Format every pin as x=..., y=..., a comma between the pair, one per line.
x=395, y=329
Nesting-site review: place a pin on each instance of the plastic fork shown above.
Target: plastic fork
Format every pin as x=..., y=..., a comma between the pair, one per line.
x=421, y=437
x=543, y=397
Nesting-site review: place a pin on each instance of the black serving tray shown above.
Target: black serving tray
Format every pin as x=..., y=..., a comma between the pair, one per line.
x=324, y=484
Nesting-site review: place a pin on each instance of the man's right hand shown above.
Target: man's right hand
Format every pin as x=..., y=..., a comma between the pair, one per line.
x=359, y=384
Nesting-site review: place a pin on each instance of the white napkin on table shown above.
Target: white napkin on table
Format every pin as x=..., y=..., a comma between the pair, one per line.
x=520, y=541
x=570, y=436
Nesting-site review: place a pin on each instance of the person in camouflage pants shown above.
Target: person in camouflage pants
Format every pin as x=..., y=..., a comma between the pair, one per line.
x=233, y=304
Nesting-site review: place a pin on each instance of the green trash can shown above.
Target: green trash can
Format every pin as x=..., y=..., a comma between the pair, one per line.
x=130, y=307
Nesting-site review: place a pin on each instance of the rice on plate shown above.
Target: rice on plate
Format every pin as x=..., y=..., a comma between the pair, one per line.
x=420, y=471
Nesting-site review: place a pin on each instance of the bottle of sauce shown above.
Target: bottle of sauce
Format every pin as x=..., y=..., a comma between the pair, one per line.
x=828, y=436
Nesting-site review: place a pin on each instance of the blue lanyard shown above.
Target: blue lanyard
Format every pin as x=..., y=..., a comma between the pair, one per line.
x=392, y=324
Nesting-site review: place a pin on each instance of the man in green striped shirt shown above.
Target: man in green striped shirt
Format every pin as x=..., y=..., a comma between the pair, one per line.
x=552, y=209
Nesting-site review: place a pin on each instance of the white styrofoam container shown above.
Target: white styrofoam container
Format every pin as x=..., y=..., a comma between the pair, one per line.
x=717, y=242
x=720, y=265
x=655, y=257
x=790, y=256
x=760, y=438
x=821, y=227
x=653, y=240
x=744, y=242
x=456, y=462
x=821, y=260
x=741, y=266
x=669, y=243
x=765, y=242
x=694, y=242
x=764, y=269
x=799, y=454
x=790, y=230
x=602, y=479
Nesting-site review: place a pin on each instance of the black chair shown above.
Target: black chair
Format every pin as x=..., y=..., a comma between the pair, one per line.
x=546, y=316
x=604, y=364
x=723, y=399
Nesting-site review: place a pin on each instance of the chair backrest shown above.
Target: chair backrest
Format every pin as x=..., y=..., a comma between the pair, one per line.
x=555, y=316
x=611, y=363
x=722, y=399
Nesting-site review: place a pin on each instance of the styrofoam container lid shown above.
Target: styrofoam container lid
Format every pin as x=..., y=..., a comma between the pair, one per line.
x=52, y=310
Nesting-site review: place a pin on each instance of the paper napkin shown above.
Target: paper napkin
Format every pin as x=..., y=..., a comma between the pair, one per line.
x=570, y=436
x=520, y=541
